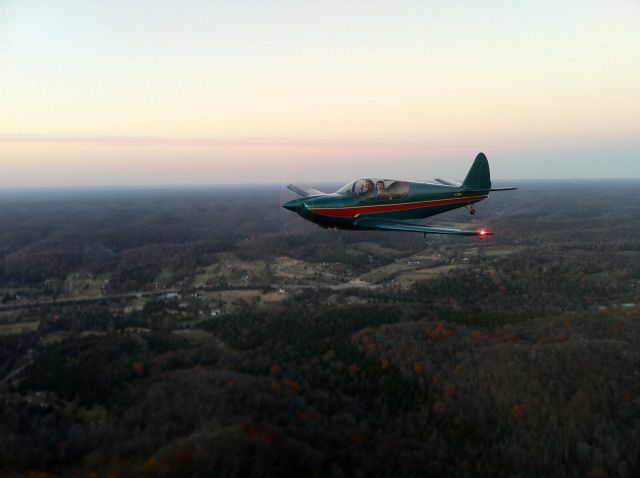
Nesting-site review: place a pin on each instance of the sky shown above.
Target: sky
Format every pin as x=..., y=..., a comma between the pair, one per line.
x=185, y=92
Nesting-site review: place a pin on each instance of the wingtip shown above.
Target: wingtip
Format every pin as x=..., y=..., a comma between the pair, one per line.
x=483, y=232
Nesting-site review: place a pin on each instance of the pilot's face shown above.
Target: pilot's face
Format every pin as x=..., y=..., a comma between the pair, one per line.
x=379, y=186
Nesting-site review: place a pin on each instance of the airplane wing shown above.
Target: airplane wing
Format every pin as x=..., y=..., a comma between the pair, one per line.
x=304, y=191
x=390, y=225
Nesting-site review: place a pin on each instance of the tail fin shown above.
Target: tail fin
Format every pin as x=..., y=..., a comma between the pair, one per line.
x=478, y=178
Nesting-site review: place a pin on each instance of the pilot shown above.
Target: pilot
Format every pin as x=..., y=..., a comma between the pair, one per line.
x=366, y=189
x=370, y=188
x=380, y=191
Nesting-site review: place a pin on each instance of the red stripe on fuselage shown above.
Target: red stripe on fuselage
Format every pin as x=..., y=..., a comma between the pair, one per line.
x=355, y=211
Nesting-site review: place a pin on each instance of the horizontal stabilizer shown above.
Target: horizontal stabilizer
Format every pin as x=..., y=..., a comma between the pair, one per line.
x=389, y=225
x=304, y=191
x=449, y=182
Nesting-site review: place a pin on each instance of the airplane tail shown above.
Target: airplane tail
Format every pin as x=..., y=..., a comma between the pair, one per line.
x=478, y=178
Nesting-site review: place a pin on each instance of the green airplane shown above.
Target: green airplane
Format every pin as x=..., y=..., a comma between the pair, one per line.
x=389, y=205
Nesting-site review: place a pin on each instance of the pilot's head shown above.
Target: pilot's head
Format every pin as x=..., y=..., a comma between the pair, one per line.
x=380, y=186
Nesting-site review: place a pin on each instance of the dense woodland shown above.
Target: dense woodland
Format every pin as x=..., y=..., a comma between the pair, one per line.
x=520, y=363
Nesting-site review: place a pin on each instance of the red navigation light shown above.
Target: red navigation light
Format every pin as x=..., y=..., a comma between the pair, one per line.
x=483, y=232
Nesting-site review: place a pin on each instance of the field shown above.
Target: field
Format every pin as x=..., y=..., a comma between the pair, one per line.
x=19, y=327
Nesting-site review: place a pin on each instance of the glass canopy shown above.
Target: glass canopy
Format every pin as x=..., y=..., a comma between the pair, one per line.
x=372, y=188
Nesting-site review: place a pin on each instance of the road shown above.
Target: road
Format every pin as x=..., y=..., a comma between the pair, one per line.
x=85, y=300
x=131, y=295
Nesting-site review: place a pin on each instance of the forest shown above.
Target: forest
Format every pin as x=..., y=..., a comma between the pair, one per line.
x=209, y=332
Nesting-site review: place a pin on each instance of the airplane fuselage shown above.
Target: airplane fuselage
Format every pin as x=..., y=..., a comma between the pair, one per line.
x=388, y=204
x=422, y=200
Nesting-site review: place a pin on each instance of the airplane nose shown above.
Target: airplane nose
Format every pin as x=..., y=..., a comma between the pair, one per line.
x=296, y=205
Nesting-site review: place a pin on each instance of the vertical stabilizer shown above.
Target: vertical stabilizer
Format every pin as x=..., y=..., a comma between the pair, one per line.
x=478, y=178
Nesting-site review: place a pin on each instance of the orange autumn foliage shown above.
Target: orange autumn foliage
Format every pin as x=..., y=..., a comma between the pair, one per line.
x=267, y=437
x=439, y=331
x=138, y=369
x=291, y=385
x=369, y=343
x=385, y=363
x=276, y=388
x=517, y=411
x=554, y=339
x=353, y=369
x=275, y=370
x=308, y=416
x=151, y=464
x=505, y=336
x=617, y=326
x=249, y=428
x=449, y=391
x=180, y=454
x=479, y=335
x=199, y=368
x=439, y=408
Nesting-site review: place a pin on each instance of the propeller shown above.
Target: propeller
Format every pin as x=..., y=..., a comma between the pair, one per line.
x=286, y=217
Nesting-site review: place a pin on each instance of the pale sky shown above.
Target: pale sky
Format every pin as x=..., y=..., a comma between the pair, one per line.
x=185, y=92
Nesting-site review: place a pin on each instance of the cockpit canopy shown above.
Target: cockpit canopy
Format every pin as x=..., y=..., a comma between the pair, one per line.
x=372, y=188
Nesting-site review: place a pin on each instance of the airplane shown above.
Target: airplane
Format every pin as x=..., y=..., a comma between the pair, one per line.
x=388, y=205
